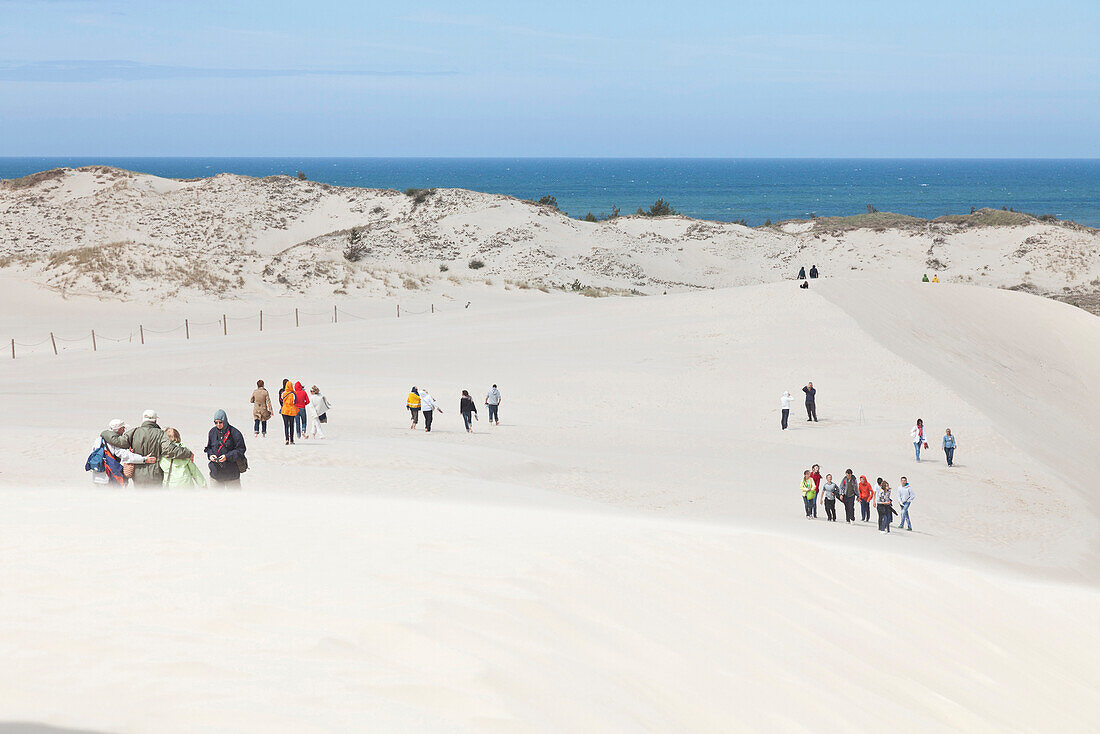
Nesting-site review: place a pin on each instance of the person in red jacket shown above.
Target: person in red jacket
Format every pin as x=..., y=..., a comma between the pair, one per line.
x=815, y=474
x=865, y=493
x=301, y=400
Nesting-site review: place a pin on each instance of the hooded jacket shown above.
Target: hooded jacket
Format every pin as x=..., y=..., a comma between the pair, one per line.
x=427, y=402
x=261, y=404
x=493, y=397
x=148, y=439
x=848, y=485
x=413, y=401
x=809, y=491
x=289, y=405
x=301, y=397
x=226, y=442
x=785, y=400
x=865, y=490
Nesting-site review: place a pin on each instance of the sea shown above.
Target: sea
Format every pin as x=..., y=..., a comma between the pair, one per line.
x=723, y=189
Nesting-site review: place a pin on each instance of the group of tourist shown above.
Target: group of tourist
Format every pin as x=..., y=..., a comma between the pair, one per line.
x=815, y=493
x=303, y=412
x=421, y=403
x=148, y=455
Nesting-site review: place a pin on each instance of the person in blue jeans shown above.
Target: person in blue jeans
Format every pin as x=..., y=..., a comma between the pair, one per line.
x=949, y=447
x=493, y=400
x=884, y=504
x=917, y=434
x=906, y=495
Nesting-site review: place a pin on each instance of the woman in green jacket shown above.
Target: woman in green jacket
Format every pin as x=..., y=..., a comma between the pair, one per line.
x=180, y=473
x=809, y=492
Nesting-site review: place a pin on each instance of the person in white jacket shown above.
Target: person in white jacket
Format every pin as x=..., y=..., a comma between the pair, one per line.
x=124, y=456
x=313, y=417
x=785, y=404
x=906, y=495
x=428, y=406
x=917, y=434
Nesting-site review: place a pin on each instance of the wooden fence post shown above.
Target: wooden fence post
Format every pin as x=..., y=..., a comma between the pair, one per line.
x=225, y=326
x=186, y=329
x=295, y=318
x=261, y=319
x=335, y=320
x=54, y=342
x=141, y=333
x=13, y=349
x=93, y=340
x=433, y=308
x=399, y=310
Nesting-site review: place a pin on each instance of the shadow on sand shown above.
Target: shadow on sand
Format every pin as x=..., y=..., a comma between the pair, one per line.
x=27, y=727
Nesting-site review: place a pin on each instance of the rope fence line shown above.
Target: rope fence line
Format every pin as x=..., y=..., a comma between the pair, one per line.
x=333, y=317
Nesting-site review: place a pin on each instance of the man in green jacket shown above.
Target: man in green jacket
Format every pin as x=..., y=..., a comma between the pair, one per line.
x=148, y=439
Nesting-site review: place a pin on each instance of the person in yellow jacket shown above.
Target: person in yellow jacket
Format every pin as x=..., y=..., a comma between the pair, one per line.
x=809, y=493
x=935, y=279
x=413, y=404
x=290, y=413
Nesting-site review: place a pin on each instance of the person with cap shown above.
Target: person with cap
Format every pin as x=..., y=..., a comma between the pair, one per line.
x=413, y=404
x=226, y=451
x=428, y=406
x=148, y=439
x=121, y=457
x=493, y=400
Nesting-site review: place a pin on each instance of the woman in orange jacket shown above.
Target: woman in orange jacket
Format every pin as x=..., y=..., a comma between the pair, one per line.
x=865, y=493
x=290, y=415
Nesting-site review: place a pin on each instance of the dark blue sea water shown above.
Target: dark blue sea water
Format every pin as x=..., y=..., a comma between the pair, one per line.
x=719, y=189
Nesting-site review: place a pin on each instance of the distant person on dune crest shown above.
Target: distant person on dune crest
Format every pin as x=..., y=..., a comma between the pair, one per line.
x=413, y=404
x=848, y=492
x=805, y=285
x=949, y=447
x=802, y=273
x=866, y=493
x=809, y=492
x=493, y=400
x=811, y=402
x=813, y=272
x=924, y=279
x=935, y=279
x=785, y=407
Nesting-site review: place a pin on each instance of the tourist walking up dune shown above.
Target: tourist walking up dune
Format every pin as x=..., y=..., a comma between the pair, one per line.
x=321, y=404
x=180, y=473
x=884, y=502
x=815, y=475
x=289, y=412
x=809, y=492
x=906, y=495
x=109, y=463
x=917, y=434
x=148, y=439
x=848, y=491
x=811, y=402
x=785, y=409
x=949, y=447
x=226, y=451
x=428, y=406
x=313, y=421
x=813, y=271
x=493, y=400
x=802, y=273
x=866, y=493
x=301, y=400
x=468, y=409
x=413, y=404
x=830, y=492
x=261, y=408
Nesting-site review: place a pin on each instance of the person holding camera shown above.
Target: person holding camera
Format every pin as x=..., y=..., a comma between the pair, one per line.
x=226, y=451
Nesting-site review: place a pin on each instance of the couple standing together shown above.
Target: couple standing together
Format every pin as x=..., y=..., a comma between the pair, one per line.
x=785, y=401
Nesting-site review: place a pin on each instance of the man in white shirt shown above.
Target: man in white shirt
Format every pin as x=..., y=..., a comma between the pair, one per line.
x=785, y=402
x=428, y=406
x=493, y=400
x=906, y=495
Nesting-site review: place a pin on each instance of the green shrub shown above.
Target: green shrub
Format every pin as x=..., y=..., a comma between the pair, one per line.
x=476, y=265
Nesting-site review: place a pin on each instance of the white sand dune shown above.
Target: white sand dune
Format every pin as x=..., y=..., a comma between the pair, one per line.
x=626, y=553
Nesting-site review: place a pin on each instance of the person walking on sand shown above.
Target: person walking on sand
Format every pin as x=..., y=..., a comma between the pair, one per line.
x=428, y=406
x=180, y=473
x=413, y=404
x=917, y=434
x=493, y=400
x=226, y=451
x=830, y=492
x=815, y=475
x=115, y=460
x=289, y=411
x=802, y=273
x=884, y=503
x=301, y=400
x=261, y=408
x=811, y=402
x=321, y=404
x=949, y=447
x=148, y=439
x=809, y=492
x=865, y=494
x=924, y=279
x=906, y=495
x=468, y=409
x=313, y=422
x=848, y=491
x=935, y=279
x=785, y=409
x=813, y=271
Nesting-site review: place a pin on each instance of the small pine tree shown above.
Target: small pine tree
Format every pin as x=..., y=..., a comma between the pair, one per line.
x=301, y=176
x=590, y=217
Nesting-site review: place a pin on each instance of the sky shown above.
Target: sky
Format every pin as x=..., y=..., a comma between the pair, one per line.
x=693, y=78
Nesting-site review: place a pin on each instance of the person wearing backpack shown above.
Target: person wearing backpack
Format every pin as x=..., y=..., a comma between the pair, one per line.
x=108, y=463
x=180, y=473
x=848, y=491
x=226, y=451
x=148, y=439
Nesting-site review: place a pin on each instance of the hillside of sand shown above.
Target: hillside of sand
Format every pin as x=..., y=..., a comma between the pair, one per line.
x=118, y=234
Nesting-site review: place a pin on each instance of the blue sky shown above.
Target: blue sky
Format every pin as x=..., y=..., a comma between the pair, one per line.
x=693, y=78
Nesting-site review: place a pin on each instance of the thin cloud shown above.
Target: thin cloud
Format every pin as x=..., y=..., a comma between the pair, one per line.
x=79, y=71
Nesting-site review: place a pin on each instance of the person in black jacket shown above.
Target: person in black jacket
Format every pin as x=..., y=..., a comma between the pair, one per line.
x=468, y=410
x=811, y=402
x=802, y=273
x=813, y=271
x=225, y=449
